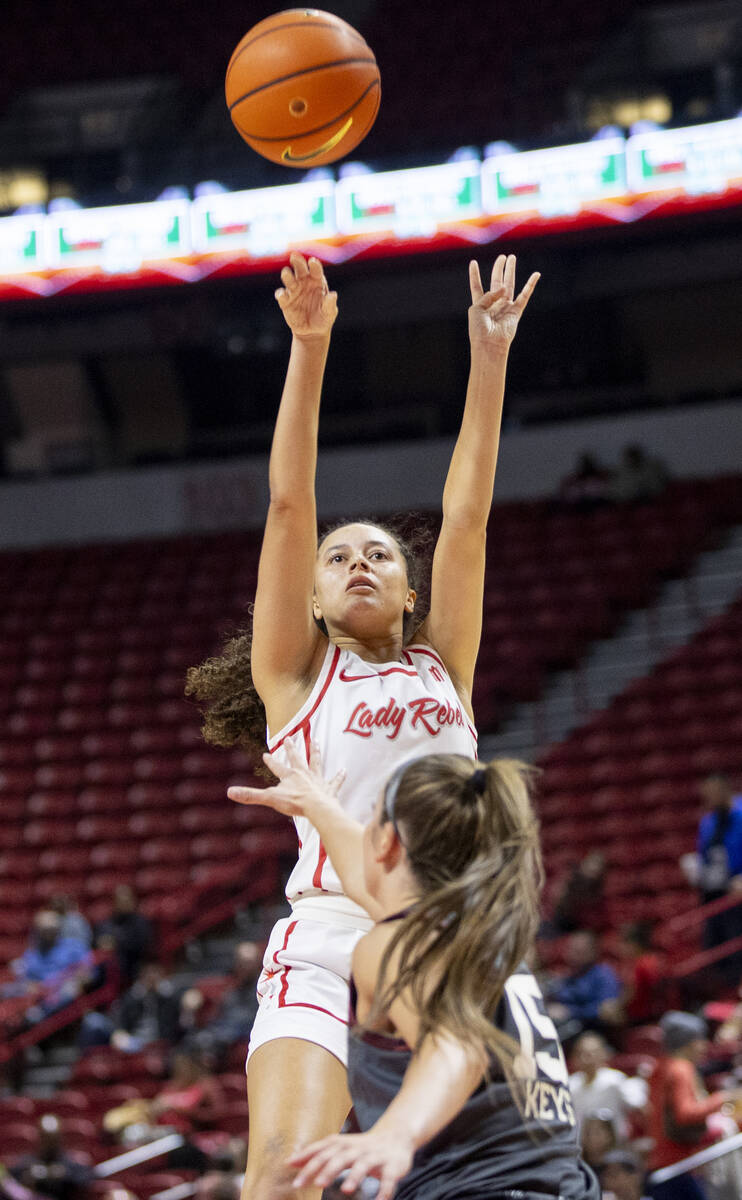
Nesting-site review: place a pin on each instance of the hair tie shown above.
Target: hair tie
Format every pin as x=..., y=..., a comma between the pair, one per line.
x=477, y=781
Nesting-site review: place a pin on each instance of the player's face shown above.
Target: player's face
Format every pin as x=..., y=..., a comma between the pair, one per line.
x=360, y=583
x=378, y=837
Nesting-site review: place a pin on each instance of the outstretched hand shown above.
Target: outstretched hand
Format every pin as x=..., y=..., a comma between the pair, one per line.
x=308, y=305
x=383, y=1156
x=494, y=315
x=300, y=785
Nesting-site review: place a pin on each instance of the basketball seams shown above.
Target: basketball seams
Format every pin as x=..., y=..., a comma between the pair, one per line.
x=293, y=25
x=338, y=62
x=293, y=136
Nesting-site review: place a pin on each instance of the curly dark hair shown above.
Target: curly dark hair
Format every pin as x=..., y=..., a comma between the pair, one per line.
x=222, y=686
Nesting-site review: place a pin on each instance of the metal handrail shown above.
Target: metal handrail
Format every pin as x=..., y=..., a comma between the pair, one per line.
x=699, y=1159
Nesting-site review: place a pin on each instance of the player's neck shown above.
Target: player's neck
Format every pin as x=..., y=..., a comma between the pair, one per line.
x=397, y=891
x=384, y=649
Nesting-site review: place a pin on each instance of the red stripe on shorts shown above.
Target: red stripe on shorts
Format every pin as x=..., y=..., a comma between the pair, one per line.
x=321, y=860
x=286, y=969
x=317, y=1008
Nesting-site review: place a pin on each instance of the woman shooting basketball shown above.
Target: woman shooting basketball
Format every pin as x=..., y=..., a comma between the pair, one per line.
x=332, y=660
x=455, y=1071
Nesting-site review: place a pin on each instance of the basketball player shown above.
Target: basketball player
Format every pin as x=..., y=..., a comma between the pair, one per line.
x=332, y=659
x=456, y=1074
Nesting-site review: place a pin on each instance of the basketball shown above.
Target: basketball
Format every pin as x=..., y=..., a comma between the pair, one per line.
x=303, y=88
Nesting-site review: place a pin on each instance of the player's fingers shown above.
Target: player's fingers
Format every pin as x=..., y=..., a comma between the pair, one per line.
x=296, y=757
x=491, y=297
x=241, y=795
x=359, y=1171
x=509, y=276
x=337, y=782
x=279, y=769
x=315, y=268
x=299, y=263
x=387, y=1185
x=312, y=1167
x=475, y=281
x=498, y=268
x=288, y=279
x=528, y=290
x=330, y=304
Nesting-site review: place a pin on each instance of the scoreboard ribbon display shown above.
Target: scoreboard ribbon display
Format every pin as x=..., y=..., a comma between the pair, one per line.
x=605, y=181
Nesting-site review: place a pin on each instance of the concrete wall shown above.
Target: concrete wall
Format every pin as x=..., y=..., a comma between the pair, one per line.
x=693, y=441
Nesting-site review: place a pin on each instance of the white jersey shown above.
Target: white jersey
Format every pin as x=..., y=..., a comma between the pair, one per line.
x=367, y=719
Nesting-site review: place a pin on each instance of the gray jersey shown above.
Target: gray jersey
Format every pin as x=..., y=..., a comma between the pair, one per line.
x=496, y=1148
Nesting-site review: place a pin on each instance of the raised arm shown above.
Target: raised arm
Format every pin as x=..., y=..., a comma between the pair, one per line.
x=301, y=791
x=454, y=624
x=286, y=641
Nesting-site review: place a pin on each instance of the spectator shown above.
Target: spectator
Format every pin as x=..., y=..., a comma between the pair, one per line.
x=147, y=1012
x=679, y=1104
x=621, y=1176
x=226, y=1172
x=233, y=1019
x=589, y=994
x=597, y=1137
x=588, y=486
x=54, y=969
x=187, y=1102
x=74, y=924
x=127, y=931
x=595, y=1085
x=639, y=477
x=719, y=848
x=579, y=904
x=642, y=975
x=50, y=1171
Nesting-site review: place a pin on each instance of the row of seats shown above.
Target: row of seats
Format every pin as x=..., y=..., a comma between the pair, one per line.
x=626, y=782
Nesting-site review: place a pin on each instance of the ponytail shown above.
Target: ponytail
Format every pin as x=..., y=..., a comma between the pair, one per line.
x=471, y=840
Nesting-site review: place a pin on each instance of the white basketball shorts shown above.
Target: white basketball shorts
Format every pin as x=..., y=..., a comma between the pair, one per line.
x=303, y=988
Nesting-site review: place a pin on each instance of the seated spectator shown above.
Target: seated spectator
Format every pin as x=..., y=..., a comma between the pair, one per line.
x=579, y=903
x=54, y=969
x=642, y=975
x=50, y=1171
x=127, y=932
x=679, y=1105
x=74, y=924
x=595, y=1085
x=622, y=1176
x=589, y=994
x=233, y=1019
x=147, y=1012
x=226, y=1171
x=187, y=1102
x=638, y=477
x=597, y=1137
x=587, y=487
x=719, y=856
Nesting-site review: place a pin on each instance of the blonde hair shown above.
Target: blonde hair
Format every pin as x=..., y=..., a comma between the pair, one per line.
x=471, y=840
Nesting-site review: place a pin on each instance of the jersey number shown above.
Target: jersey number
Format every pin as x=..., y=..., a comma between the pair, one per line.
x=524, y=997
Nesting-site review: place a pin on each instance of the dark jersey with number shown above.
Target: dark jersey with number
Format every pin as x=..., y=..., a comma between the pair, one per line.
x=495, y=1148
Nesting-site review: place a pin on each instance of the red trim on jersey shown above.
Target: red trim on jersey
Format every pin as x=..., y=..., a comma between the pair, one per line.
x=317, y=1008
x=286, y=969
x=430, y=654
x=442, y=665
x=321, y=860
x=315, y=706
x=345, y=678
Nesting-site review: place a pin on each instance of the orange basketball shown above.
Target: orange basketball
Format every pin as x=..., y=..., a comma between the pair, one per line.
x=303, y=88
